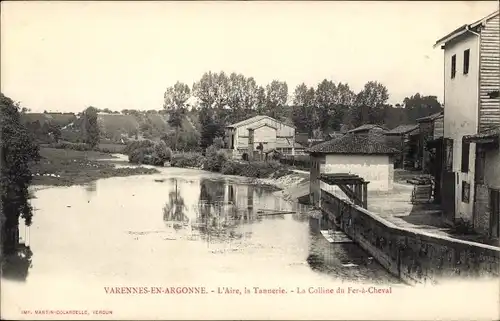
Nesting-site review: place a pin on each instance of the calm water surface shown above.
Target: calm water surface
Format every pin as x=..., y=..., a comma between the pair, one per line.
x=177, y=228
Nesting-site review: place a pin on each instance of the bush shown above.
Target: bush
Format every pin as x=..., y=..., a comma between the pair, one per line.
x=256, y=169
x=147, y=152
x=184, y=160
x=162, y=151
x=214, y=161
x=132, y=146
x=73, y=146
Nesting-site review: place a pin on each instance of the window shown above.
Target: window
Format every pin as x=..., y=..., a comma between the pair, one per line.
x=465, y=192
x=465, y=157
x=493, y=94
x=453, y=66
x=466, y=61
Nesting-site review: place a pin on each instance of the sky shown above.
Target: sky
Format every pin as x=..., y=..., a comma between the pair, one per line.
x=65, y=56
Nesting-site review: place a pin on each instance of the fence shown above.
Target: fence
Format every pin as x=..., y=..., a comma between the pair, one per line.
x=300, y=161
x=413, y=256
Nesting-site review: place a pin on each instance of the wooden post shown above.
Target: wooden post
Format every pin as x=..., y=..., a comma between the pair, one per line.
x=365, y=195
x=250, y=144
x=403, y=151
x=359, y=194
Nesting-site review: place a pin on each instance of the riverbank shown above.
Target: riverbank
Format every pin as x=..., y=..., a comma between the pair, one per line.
x=66, y=167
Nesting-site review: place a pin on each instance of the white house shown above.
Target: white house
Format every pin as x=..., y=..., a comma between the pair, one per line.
x=269, y=132
x=361, y=155
x=471, y=116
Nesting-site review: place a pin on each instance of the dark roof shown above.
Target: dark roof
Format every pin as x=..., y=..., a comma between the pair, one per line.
x=492, y=135
x=366, y=127
x=463, y=29
x=430, y=117
x=353, y=144
x=402, y=129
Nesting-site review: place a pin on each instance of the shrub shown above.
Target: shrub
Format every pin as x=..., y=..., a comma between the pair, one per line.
x=214, y=161
x=257, y=169
x=187, y=160
x=73, y=146
x=162, y=151
x=137, y=144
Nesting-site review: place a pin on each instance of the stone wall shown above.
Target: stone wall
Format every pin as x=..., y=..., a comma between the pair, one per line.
x=413, y=256
x=482, y=209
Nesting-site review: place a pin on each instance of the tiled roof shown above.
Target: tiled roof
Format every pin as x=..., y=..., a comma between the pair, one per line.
x=430, y=117
x=353, y=144
x=365, y=127
x=402, y=129
x=493, y=133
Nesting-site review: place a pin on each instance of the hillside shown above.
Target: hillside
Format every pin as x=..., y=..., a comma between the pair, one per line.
x=52, y=118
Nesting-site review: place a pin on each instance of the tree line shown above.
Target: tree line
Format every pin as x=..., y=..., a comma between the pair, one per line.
x=316, y=110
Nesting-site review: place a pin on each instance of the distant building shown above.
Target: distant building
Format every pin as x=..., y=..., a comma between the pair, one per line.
x=354, y=154
x=368, y=129
x=471, y=170
x=271, y=133
x=431, y=132
x=405, y=139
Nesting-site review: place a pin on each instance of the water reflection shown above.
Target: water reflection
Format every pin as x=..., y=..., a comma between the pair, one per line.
x=90, y=190
x=200, y=213
x=174, y=210
x=16, y=266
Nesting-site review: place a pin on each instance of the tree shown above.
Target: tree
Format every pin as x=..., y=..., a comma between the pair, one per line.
x=276, y=99
x=370, y=102
x=18, y=151
x=304, y=112
x=242, y=96
x=332, y=102
x=418, y=106
x=261, y=100
x=175, y=97
x=213, y=93
x=91, y=126
x=211, y=127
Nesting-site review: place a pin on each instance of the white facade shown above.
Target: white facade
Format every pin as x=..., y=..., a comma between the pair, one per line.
x=461, y=112
x=471, y=108
x=376, y=169
x=272, y=133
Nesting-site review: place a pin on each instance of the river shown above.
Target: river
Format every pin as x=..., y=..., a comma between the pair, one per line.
x=180, y=227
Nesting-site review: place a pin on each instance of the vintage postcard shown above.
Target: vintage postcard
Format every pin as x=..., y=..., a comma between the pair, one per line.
x=248, y=160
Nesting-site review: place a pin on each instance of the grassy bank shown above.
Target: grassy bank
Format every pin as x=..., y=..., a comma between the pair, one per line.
x=64, y=167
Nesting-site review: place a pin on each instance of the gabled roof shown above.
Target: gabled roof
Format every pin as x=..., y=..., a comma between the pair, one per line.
x=353, y=144
x=402, y=129
x=463, y=29
x=430, y=117
x=262, y=125
x=366, y=127
x=255, y=119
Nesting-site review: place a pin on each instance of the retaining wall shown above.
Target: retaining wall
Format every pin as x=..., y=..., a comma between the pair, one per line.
x=415, y=257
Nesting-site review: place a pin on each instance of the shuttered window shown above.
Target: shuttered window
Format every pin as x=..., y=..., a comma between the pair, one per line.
x=466, y=61
x=453, y=66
